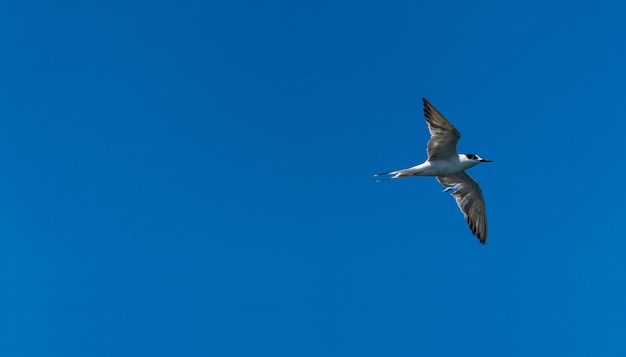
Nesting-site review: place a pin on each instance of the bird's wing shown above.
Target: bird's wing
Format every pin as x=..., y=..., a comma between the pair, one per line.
x=470, y=199
x=443, y=135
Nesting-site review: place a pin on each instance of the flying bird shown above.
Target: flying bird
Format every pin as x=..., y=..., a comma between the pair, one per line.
x=449, y=167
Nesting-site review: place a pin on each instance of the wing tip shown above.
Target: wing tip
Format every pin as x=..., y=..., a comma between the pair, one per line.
x=427, y=110
x=480, y=234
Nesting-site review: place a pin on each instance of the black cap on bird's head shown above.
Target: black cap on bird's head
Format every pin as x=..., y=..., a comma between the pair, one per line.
x=477, y=158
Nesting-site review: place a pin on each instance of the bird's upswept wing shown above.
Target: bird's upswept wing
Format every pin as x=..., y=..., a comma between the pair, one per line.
x=470, y=200
x=443, y=135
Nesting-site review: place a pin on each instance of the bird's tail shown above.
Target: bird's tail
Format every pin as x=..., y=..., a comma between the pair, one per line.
x=392, y=175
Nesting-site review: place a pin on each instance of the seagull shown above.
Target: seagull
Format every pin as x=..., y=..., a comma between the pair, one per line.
x=449, y=169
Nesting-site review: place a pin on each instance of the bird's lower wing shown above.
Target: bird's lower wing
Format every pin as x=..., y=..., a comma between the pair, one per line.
x=470, y=200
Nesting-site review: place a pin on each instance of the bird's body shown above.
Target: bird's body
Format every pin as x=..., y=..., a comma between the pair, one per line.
x=436, y=167
x=449, y=168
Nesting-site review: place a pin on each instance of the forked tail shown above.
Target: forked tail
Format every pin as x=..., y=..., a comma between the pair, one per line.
x=392, y=175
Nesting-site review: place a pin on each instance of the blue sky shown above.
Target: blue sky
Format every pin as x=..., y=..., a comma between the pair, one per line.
x=195, y=179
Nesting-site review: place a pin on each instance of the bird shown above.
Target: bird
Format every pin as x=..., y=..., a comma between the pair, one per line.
x=449, y=168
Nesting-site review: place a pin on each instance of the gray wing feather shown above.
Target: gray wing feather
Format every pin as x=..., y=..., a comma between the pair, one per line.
x=469, y=198
x=443, y=135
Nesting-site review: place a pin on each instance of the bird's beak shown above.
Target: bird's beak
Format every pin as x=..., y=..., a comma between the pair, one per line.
x=485, y=160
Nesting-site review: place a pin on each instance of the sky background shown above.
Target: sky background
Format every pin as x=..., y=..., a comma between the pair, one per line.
x=195, y=178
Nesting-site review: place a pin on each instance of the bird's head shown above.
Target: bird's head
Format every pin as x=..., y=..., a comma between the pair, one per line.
x=473, y=158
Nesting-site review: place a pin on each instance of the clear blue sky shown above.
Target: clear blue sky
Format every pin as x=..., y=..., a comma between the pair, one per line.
x=195, y=178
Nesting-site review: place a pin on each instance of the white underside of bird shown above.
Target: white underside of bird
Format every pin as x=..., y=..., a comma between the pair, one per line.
x=449, y=167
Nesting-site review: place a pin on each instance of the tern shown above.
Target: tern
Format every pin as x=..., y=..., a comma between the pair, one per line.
x=449, y=168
